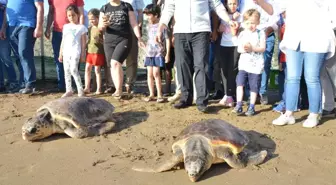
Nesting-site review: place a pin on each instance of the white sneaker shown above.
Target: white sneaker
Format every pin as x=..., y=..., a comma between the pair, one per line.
x=284, y=120
x=311, y=121
x=174, y=98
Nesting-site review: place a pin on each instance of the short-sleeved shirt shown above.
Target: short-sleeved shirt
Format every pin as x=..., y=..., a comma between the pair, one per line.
x=60, y=16
x=3, y=4
x=154, y=49
x=119, y=20
x=22, y=13
x=136, y=5
x=72, y=39
x=95, y=43
x=252, y=62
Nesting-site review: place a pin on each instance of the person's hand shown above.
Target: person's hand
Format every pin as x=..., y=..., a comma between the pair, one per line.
x=47, y=34
x=82, y=57
x=38, y=32
x=233, y=23
x=258, y=2
x=235, y=15
x=214, y=36
x=141, y=43
x=106, y=21
x=2, y=34
x=159, y=33
x=221, y=28
x=167, y=59
x=60, y=58
x=248, y=47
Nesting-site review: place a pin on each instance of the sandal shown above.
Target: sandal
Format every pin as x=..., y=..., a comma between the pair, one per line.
x=149, y=98
x=98, y=93
x=116, y=96
x=160, y=100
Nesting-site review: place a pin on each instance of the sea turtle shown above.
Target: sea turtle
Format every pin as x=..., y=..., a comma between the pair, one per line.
x=209, y=142
x=78, y=117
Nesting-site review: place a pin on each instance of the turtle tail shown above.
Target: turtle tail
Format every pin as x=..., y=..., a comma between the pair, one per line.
x=257, y=158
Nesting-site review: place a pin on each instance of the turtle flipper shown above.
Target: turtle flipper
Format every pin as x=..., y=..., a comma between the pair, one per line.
x=256, y=158
x=169, y=164
x=231, y=159
x=93, y=130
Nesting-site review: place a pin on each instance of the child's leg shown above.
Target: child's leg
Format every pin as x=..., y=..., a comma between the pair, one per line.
x=241, y=80
x=157, y=77
x=150, y=81
x=254, y=83
x=76, y=76
x=67, y=77
x=88, y=68
x=168, y=72
x=98, y=79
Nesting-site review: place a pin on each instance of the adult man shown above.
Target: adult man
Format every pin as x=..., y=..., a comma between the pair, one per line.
x=268, y=23
x=57, y=15
x=132, y=59
x=25, y=20
x=192, y=38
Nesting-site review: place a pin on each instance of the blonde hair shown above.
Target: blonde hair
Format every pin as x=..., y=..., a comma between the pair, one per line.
x=251, y=13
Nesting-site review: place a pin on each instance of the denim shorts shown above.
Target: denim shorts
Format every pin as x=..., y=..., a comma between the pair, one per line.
x=253, y=80
x=154, y=61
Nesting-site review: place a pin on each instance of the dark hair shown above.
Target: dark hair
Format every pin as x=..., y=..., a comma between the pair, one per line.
x=95, y=12
x=152, y=9
x=73, y=7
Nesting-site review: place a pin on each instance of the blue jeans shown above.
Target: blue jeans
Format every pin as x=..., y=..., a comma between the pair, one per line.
x=56, y=44
x=22, y=42
x=211, y=60
x=312, y=67
x=268, y=54
x=7, y=63
x=281, y=81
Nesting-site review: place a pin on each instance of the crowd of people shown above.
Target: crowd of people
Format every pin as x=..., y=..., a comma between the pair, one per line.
x=223, y=45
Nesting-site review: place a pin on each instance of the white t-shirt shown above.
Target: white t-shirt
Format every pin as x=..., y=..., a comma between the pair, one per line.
x=72, y=39
x=251, y=62
x=228, y=39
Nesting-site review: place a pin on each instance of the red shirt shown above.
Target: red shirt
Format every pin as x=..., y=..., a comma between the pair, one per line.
x=60, y=17
x=282, y=31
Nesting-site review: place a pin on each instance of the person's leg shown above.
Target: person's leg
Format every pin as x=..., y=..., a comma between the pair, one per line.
x=14, y=41
x=108, y=50
x=150, y=82
x=184, y=66
x=281, y=107
x=67, y=77
x=328, y=95
x=200, y=49
x=217, y=77
x=241, y=81
x=98, y=79
x=268, y=54
x=158, y=83
x=294, y=70
x=2, y=80
x=7, y=64
x=56, y=45
x=303, y=103
x=87, y=78
x=132, y=65
x=228, y=66
x=211, y=60
x=254, y=82
x=312, y=68
x=75, y=74
x=26, y=52
x=177, y=94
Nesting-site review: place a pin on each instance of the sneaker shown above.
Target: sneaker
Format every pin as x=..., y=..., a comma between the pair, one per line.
x=284, y=120
x=263, y=99
x=175, y=98
x=238, y=110
x=280, y=108
x=227, y=101
x=250, y=112
x=311, y=121
x=202, y=108
x=27, y=90
x=329, y=114
x=13, y=88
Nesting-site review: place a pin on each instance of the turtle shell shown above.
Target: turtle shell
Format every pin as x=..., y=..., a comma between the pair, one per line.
x=219, y=133
x=80, y=111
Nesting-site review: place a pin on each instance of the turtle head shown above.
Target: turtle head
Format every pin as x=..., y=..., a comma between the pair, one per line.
x=197, y=159
x=38, y=126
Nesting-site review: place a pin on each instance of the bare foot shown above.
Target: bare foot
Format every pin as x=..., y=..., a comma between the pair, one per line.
x=67, y=94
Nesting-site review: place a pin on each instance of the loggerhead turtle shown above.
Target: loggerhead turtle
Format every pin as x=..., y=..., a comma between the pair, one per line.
x=209, y=142
x=78, y=117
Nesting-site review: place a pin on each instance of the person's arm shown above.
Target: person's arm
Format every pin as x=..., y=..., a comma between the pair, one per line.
x=220, y=10
x=3, y=26
x=167, y=14
x=81, y=15
x=83, y=47
x=168, y=46
x=136, y=28
x=50, y=21
x=215, y=23
x=39, y=18
x=139, y=7
x=102, y=23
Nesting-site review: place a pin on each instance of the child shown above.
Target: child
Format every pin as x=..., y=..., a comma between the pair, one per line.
x=73, y=50
x=95, y=56
x=251, y=45
x=228, y=54
x=156, y=54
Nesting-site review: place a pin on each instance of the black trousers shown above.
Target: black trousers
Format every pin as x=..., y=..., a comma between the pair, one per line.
x=227, y=62
x=192, y=57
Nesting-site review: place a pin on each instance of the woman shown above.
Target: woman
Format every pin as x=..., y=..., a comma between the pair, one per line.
x=307, y=42
x=116, y=19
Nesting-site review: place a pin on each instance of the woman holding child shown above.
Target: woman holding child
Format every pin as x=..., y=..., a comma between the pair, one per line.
x=306, y=46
